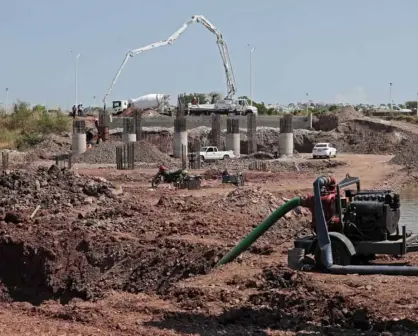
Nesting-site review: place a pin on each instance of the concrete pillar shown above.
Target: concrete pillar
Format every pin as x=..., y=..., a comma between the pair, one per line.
x=79, y=141
x=128, y=134
x=180, y=137
x=137, y=115
x=252, y=133
x=286, y=136
x=236, y=144
x=216, y=130
x=105, y=119
x=233, y=138
x=128, y=137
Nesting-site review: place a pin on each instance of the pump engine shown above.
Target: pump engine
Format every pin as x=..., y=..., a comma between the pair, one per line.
x=371, y=215
x=361, y=215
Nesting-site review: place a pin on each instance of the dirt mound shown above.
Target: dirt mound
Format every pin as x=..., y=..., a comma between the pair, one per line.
x=331, y=120
x=370, y=137
x=360, y=136
x=321, y=166
x=407, y=155
x=49, y=188
x=73, y=263
x=50, y=146
x=212, y=174
x=105, y=153
x=255, y=201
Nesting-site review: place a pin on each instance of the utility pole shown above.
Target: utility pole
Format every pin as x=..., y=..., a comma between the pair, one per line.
x=307, y=104
x=417, y=104
x=7, y=99
x=76, y=79
x=251, y=74
x=390, y=95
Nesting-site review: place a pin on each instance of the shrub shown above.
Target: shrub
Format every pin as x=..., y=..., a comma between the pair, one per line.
x=26, y=127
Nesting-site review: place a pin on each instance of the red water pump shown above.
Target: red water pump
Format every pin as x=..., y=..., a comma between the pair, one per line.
x=328, y=198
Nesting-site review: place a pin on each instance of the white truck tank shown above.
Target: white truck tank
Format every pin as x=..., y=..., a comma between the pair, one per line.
x=150, y=101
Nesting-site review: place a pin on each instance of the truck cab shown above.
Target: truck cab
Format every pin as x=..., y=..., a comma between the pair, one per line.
x=118, y=106
x=238, y=106
x=213, y=153
x=244, y=107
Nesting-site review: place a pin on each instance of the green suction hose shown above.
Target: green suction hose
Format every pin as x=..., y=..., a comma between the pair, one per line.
x=259, y=230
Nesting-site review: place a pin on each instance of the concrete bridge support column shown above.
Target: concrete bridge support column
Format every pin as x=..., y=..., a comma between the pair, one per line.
x=137, y=115
x=252, y=133
x=216, y=130
x=128, y=134
x=233, y=137
x=79, y=142
x=286, y=136
x=180, y=137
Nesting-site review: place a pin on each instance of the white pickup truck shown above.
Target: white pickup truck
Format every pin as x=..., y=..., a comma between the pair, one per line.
x=212, y=153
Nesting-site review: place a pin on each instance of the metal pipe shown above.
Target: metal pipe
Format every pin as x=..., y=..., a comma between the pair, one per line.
x=374, y=269
x=259, y=230
x=324, y=240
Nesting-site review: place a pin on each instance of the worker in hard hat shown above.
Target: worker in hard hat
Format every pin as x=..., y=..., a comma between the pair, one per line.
x=194, y=100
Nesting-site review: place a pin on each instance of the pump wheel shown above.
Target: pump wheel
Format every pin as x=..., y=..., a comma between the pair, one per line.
x=340, y=254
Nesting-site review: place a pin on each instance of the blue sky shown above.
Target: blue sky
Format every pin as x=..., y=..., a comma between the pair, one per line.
x=334, y=50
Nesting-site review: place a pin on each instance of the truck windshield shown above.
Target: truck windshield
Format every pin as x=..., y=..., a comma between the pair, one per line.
x=117, y=104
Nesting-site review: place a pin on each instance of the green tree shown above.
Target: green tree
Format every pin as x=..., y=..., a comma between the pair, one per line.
x=411, y=104
x=215, y=97
x=201, y=98
x=261, y=107
x=39, y=108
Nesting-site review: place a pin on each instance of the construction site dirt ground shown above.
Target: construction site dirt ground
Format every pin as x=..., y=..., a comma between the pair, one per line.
x=138, y=261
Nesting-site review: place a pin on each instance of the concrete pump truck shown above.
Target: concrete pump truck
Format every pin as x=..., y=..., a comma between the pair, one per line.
x=223, y=106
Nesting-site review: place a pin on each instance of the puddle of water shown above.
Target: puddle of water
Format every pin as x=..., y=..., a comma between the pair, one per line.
x=409, y=209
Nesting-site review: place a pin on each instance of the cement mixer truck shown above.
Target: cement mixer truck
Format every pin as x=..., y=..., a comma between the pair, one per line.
x=154, y=101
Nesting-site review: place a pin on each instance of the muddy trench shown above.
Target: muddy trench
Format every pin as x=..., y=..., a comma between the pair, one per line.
x=87, y=268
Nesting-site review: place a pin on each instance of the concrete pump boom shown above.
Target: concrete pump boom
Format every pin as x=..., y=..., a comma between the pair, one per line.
x=223, y=49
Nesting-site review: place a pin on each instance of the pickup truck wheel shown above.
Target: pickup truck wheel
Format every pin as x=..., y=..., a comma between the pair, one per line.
x=226, y=157
x=248, y=112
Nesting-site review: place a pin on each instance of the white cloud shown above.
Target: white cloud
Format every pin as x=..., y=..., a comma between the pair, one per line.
x=352, y=96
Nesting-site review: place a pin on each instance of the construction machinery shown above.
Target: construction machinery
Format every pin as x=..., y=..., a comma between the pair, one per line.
x=226, y=104
x=236, y=179
x=155, y=101
x=350, y=227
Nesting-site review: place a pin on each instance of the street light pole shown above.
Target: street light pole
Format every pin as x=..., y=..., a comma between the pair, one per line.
x=76, y=79
x=390, y=95
x=417, y=104
x=251, y=74
x=7, y=99
x=307, y=103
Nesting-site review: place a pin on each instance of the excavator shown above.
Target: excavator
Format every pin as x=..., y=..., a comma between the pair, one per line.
x=226, y=104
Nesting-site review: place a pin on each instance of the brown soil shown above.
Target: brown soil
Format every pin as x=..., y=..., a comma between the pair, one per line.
x=113, y=257
x=331, y=120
